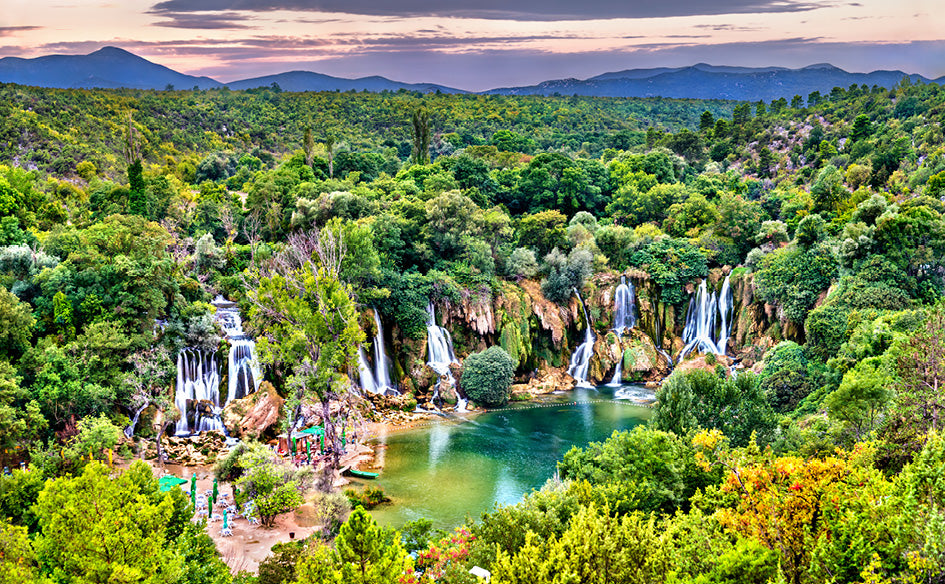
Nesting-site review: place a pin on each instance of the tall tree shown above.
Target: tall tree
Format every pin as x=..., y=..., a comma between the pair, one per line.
x=311, y=326
x=421, y=136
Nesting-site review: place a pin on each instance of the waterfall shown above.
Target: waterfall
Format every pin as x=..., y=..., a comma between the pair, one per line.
x=618, y=375
x=198, y=381
x=581, y=358
x=368, y=383
x=376, y=379
x=440, y=353
x=243, y=371
x=198, y=375
x=708, y=320
x=625, y=317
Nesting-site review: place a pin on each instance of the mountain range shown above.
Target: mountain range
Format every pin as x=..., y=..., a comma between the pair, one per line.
x=112, y=67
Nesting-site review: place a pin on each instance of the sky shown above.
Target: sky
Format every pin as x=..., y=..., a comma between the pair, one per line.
x=483, y=44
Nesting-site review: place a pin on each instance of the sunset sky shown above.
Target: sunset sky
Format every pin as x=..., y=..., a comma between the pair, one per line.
x=481, y=44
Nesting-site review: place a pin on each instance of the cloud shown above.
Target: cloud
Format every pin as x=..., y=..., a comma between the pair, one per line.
x=12, y=30
x=204, y=21
x=531, y=10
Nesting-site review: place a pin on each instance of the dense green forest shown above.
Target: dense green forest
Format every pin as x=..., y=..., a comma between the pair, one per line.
x=124, y=213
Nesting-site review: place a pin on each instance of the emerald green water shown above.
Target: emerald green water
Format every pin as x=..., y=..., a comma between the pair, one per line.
x=452, y=469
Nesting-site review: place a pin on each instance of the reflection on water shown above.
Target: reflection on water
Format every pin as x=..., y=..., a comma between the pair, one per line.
x=457, y=468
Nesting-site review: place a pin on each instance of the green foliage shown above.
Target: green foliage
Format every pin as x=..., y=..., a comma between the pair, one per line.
x=275, y=486
x=671, y=264
x=699, y=399
x=17, y=559
x=565, y=274
x=596, y=548
x=487, y=376
x=95, y=529
x=640, y=469
x=794, y=277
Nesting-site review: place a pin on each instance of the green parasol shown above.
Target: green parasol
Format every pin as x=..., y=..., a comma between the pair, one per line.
x=292, y=440
x=225, y=518
x=193, y=489
x=215, y=490
x=308, y=451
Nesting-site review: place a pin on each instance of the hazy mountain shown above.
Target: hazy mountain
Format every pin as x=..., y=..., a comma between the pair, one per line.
x=108, y=67
x=309, y=81
x=710, y=82
x=112, y=67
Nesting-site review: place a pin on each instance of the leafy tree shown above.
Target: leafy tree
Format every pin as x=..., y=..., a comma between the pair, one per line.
x=862, y=397
x=17, y=559
x=641, y=469
x=274, y=486
x=311, y=325
x=97, y=530
x=565, y=274
x=671, y=264
x=421, y=136
x=543, y=231
x=16, y=325
x=364, y=554
x=487, y=376
x=792, y=278
x=596, y=548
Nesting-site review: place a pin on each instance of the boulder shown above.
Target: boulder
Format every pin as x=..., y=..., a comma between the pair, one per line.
x=251, y=416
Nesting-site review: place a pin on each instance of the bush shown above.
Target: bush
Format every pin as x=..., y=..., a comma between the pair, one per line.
x=487, y=377
x=565, y=274
x=522, y=263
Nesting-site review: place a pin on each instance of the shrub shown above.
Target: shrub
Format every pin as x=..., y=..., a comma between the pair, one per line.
x=565, y=273
x=522, y=263
x=487, y=377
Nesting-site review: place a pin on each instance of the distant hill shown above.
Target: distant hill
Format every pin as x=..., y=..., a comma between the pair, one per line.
x=111, y=67
x=710, y=82
x=309, y=81
x=108, y=67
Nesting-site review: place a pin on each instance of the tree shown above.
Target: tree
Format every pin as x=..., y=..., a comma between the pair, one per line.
x=311, y=327
x=862, y=396
x=96, y=530
x=421, y=136
x=597, y=548
x=364, y=554
x=17, y=559
x=151, y=373
x=16, y=324
x=487, y=376
x=274, y=486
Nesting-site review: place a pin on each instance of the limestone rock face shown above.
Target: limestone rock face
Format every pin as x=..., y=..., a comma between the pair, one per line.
x=251, y=416
x=198, y=449
x=549, y=382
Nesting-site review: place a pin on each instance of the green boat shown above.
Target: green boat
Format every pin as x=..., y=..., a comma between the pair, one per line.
x=361, y=474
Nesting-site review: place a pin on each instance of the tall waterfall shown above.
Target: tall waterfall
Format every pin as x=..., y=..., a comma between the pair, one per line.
x=625, y=314
x=581, y=358
x=376, y=379
x=198, y=375
x=439, y=345
x=440, y=353
x=198, y=380
x=243, y=371
x=708, y=320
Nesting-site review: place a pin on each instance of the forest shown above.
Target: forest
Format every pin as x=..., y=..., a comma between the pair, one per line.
x=125, y=215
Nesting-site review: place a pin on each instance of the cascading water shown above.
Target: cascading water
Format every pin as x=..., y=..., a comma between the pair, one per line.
x=243, y=371
x=198, y=381
x=376, y=379
x=581, y=358
x=198, y=375
x=708, y=320
x=625, y=316
x=617, y=379
x=440, y=353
